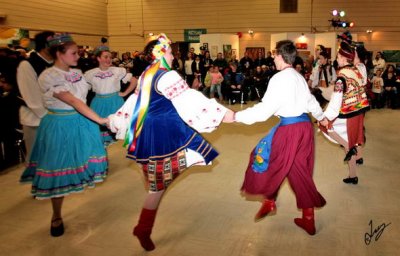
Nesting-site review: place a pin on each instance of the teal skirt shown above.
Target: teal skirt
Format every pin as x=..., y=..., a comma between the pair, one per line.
x=67, y=156
x=105, y=105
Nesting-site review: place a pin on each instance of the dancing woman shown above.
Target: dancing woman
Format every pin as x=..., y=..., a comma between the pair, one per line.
x=163, y=129
x=68, y=154
x=106, y=83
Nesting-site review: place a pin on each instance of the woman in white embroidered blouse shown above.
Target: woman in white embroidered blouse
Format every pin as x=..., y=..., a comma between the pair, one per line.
x=68, y=154
x=106, y=83
x=163, y=136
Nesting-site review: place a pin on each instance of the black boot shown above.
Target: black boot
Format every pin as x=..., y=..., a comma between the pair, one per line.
x=352, y=152
x=349, y=180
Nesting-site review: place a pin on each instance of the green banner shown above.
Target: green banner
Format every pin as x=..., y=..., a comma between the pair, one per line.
x=193, y=35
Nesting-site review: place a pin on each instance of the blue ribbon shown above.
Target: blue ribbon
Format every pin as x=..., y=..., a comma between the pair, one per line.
x=263, y=149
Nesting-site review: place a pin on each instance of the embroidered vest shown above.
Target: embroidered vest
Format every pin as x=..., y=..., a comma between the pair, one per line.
x=164, y=133
x=355, y=99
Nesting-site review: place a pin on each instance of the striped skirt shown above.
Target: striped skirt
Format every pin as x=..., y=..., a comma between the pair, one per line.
x=67, y=156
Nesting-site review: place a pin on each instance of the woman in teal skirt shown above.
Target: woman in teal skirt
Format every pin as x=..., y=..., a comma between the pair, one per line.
x=106, y=83
x=68, y=154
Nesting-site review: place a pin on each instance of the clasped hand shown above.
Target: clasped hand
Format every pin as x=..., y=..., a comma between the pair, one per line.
x=324, y=122
x=229, y=116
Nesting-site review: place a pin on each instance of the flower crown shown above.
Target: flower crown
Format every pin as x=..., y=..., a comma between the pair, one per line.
x=59, y=39
x=161, y=47
x=99, y=49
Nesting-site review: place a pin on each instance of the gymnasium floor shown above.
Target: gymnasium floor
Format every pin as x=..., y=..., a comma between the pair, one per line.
x=203, y=213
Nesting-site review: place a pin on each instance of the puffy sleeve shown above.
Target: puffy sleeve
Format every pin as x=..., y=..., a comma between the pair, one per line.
x=123, y=75
x=121, y=120
x=53, y=82
x=199, y=112
x=89, y=77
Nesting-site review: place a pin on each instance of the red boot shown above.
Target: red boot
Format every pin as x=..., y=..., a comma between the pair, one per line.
x=307, y=222
x=144, y=227
x=267, y=207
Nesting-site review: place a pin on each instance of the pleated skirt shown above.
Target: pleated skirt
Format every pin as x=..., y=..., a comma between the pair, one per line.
x=68, y=155
x=105, y=105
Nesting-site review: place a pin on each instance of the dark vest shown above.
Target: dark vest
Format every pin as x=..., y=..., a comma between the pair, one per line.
x=38, y=64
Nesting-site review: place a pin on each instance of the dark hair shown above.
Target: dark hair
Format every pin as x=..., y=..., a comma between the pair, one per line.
x=361, y=53
x=233, y=64
x=298, y=60
x=382, y=55
x=321, y=47
x=103, y=40
x=148, y=50
x=288, y=51
x=41, y=40
x=60, y=48
x=385, y=73
x=324, y=54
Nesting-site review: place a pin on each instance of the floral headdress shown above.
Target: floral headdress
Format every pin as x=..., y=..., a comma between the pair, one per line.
x=161, y=47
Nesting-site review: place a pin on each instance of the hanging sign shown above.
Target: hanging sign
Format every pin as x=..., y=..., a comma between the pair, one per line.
x=193, y=35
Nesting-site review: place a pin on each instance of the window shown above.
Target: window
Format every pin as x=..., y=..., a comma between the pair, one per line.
x=288, y=6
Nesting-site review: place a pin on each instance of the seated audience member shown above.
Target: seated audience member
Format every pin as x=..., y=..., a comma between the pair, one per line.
x=234, y=80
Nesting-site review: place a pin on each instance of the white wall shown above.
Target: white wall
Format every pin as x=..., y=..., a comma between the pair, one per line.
x=219, y=40
x=276, y=38
x=196, y=47
x=328, y=40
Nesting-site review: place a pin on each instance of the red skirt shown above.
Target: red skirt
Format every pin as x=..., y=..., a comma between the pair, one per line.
x=355, y=130
x=292, y=156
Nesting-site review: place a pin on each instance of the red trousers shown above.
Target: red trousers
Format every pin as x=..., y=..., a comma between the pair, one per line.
x=292, y=157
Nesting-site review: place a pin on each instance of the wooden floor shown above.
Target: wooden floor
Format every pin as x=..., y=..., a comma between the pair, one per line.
x=203, y=213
